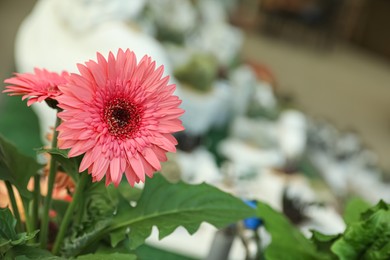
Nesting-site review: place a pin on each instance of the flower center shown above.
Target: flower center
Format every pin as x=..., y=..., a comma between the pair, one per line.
x=122, y=118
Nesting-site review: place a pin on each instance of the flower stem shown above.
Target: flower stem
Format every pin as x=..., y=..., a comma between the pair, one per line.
x=69, y=212
x=36, y=201
x=78, y=217
x=27, y=218
x=47, y=203
x=11, y=194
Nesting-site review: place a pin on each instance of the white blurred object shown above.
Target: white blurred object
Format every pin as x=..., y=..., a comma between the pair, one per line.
x=250, y=156
x=333, y=173
x=203, y=109
x=243, y=82
x=220, y=39
x=224, y=112
x=212, y=11
x=368, y=184
x=178, y=55
x=264, y=96
x=178, y=16
x=323, y=219
x=44, y=40
x=269, y=187
x=86, y=14
x=254, y=131
x=351, y=177
x=198, y=166
x=292, y=133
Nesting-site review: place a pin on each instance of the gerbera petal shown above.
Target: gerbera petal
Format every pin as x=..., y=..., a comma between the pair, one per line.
x=98, y=73
x=116, y=171
x=149, y=169
x=85, y=162
x=152, y=159
x=160, y=153
x=130, y=65
x=99, y=168
x=138, y=168
x=36, y=86
x=111, y=70
x=131, y=176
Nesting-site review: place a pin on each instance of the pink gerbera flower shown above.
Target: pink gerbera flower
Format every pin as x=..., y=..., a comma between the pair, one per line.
x=37, y=86
x=121, y=116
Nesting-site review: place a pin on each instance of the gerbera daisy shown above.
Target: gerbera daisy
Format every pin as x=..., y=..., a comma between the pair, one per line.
x=38, y=86
x=121, y=116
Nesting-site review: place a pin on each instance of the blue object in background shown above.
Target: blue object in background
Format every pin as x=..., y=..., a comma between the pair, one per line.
x=254, y=222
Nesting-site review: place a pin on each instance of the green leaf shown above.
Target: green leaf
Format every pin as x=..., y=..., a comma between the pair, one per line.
x=98, y=208
x=142, y=252
x=26, y=252
x=8, y=236
x=23, y=237
x=373, y=210
x=113, y=256
x=149, y=252
x=20, y=125
x=169, y=206
x=368, y=238
x=16, y=167
x=287, y=241
x=70, y=165
x=7, y=224
x=80, y=241
x=323, y=242
x=124, y=191
x=354, y=208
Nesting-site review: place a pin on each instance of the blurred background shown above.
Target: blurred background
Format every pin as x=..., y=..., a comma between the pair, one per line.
x=279, y=94
x=331, y=57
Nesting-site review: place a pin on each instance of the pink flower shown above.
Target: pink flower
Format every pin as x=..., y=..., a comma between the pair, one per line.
x=37, y=86
x=121, y=116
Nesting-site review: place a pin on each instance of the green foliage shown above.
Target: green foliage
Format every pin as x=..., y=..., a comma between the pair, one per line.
x=354, y=208
x=169, y=206
x=146, y=252
x=26, y=252
x=368, y=238
x=14, y=117
x=94, y=214
x=324, y=242
x=16, y=167
x=108, y=214
x=8, y=236
x=69, y=165
x=287, y=241
x=113, y=256
x=7, y=224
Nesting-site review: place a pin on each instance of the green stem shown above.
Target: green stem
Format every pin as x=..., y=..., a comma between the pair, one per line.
x=27, y=217
x=79, y=215
x=11, y=194
x=36, y=201
x=69, y=212
x=47, y=203
x=259, y=253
